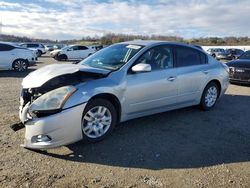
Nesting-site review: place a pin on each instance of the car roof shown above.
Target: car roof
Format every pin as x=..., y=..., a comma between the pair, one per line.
x=149, y=43
x=10, y=43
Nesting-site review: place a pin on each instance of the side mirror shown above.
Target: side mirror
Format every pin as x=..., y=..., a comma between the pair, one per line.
x=141, y=67
x=70, y=49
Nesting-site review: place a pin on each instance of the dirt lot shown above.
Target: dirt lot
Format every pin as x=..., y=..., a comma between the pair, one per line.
x=182, y=148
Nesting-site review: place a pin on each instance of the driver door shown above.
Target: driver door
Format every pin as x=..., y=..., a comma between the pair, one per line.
x=151, y=91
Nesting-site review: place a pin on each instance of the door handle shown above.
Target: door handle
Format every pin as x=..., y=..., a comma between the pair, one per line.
x=171, y=78
x=206, y=71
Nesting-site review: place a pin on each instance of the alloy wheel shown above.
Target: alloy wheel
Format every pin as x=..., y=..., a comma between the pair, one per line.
x=211, y=96
x=96, y=122
x=20, y=65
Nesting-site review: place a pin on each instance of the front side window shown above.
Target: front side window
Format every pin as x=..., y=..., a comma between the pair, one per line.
x=75, y=48
x=160, y=57
x=113, y=57
x=187, y=57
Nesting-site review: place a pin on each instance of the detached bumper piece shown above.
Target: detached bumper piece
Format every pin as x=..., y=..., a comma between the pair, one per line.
x=17, y=126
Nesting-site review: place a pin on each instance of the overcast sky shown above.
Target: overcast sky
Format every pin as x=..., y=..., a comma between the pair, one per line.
x=68, y=19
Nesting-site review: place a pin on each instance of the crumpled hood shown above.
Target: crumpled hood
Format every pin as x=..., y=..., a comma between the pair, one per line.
x=44, y=74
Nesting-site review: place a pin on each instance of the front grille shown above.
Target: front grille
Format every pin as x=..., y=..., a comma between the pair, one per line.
x=238, y=73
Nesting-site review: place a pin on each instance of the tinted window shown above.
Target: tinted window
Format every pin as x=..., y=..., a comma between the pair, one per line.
x=160, y=57
x=32, y=45
x=6, y=47
x=83, y=48
x=188, y=56
x=203, y=58
x=75, y=48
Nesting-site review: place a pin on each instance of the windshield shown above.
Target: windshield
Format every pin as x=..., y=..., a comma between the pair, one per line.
x=113, y=57
x=246, y=55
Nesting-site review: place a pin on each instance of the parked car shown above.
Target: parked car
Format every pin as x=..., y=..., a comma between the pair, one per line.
x=59, y=46
x=73, y=52
x=218, y=53
x=61, y=104
x=49, y=48
x=239, y=69
x=15, y=57
x=39, y=47
x=234, y=53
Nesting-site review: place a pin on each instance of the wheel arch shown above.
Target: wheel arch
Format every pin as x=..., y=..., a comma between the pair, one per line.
x=111, y=98
x=217, y=82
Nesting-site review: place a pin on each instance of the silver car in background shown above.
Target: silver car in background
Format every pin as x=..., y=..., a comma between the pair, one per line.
x=62, y=104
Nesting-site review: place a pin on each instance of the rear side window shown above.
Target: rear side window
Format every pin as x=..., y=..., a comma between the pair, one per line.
x=82, y=48
x=32, y=45
x=187, y=57
x=6, y=47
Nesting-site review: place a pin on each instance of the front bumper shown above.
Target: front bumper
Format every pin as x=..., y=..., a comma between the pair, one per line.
x=32, y=61
x=62, y=128
x=239, y=75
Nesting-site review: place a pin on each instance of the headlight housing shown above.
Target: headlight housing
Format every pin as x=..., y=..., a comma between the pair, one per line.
x=51, y=102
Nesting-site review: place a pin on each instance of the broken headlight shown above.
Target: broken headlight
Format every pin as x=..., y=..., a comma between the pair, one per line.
x=51, y=102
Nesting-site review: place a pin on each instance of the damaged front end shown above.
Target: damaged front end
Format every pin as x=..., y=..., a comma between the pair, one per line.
x=48, y=124
x=29, y=95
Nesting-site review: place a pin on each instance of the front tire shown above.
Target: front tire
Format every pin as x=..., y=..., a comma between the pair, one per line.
x=20, y=65
x=209, y=96
x=39, y=53
x=98, y=120
x=62, y=57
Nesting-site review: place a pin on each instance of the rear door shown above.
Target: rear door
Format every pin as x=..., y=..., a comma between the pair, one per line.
x=192, y=72
x=83, y=52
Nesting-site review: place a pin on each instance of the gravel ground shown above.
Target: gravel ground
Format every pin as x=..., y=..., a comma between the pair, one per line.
x=181, y=148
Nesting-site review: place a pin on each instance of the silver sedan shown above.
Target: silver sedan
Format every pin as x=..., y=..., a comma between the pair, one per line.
x=62, y=104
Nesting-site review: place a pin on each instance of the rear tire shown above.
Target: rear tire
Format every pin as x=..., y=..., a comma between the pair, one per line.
x=98, y=120
x=20, y=65
x=209, y=96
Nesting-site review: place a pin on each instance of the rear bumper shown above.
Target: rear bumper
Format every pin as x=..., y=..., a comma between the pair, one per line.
x=62, y=128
